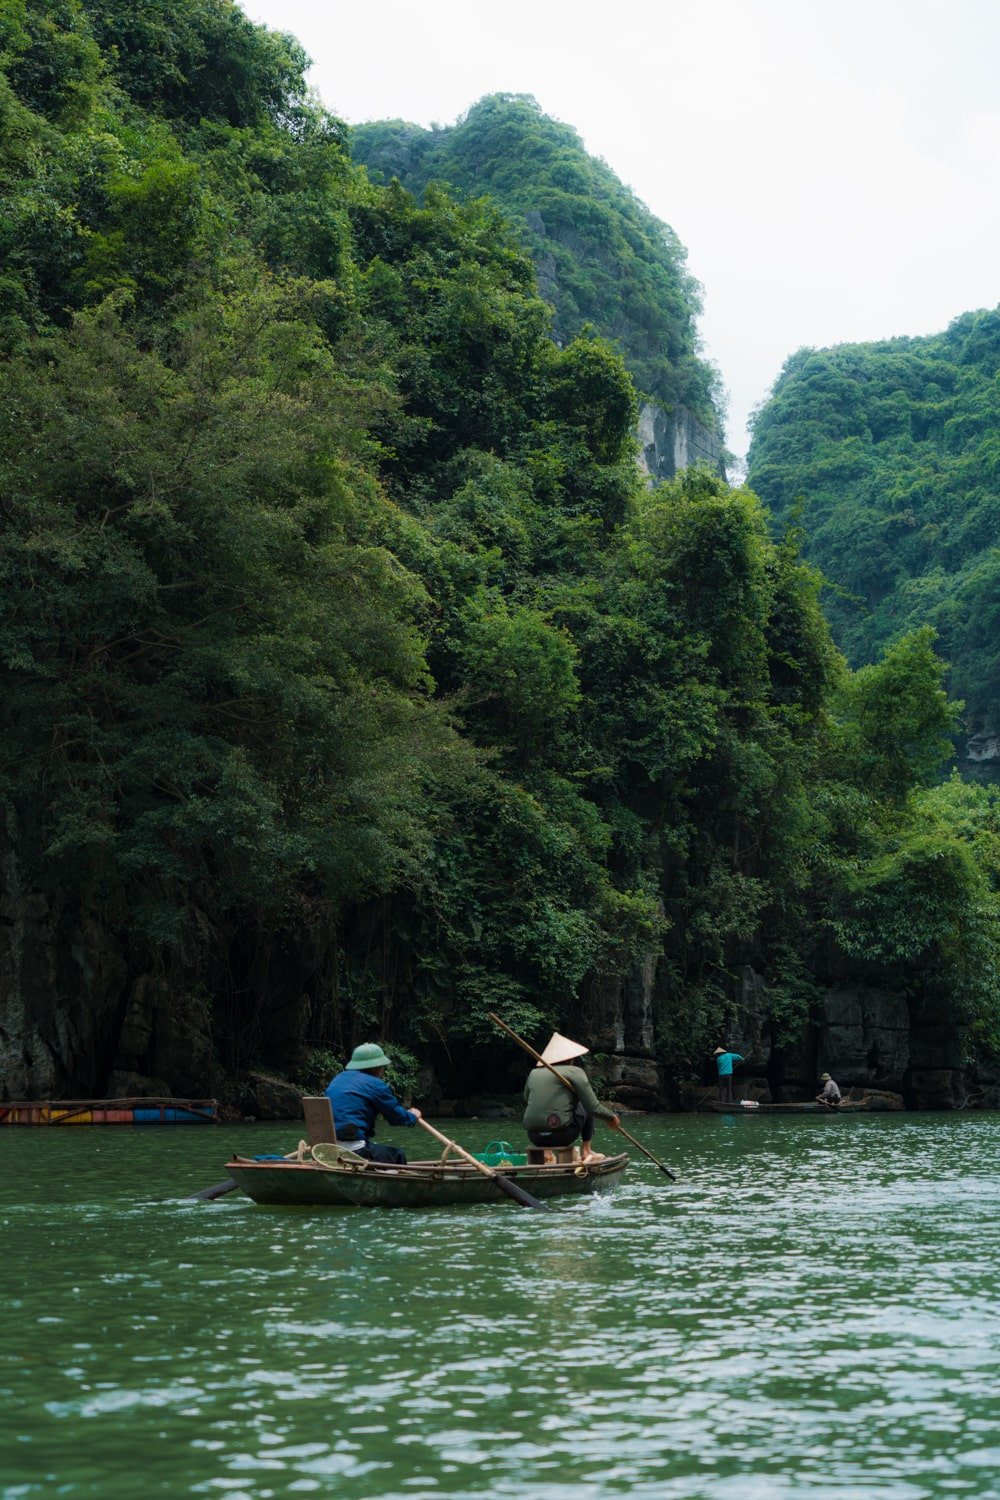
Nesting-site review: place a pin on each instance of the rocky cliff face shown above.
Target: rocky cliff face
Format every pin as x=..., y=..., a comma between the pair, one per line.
x=60, y=987
x=671, y=441
x=74, y=1021
x=868, y=1039
x=618, y=1021
x=982, y=747
x=978, y=756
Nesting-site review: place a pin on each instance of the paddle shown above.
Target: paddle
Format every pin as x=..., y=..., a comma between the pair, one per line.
x=503, y=1183
x=216, y=1191
x=566, y=1084
x=226, y=1186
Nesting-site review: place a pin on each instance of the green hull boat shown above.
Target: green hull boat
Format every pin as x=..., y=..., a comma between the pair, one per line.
x=419, y=1184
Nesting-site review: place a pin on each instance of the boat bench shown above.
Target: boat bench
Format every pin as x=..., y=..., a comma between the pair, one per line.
x=561, y=1155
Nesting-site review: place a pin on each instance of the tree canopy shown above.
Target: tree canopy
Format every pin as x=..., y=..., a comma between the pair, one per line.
x=601, y=257
x=888, y=457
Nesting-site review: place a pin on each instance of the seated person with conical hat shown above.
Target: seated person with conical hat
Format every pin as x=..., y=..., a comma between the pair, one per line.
x=358, y=1095
x=830, y=1092
x=556, y=1112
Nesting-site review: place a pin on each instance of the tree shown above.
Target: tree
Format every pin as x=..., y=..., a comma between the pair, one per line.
x=896, y=721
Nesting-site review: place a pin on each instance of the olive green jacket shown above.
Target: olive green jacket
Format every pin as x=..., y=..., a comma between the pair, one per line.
x=547, y=1098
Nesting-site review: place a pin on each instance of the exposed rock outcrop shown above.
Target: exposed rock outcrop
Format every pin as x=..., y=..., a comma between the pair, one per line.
x=674, y=440
x=864, y=1037
x=62, y=987
x=169, y=1031
x=869, y=1039
x=618, y=1022
x=982, y=748
x=268, y=1098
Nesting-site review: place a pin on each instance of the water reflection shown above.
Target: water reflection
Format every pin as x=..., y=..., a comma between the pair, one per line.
x=810, y=1306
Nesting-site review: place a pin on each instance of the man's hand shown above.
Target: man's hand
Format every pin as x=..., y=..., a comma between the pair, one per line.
x=417, y=1113
x=615, y=1123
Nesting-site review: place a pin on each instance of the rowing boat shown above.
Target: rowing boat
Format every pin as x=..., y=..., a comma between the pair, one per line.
x=336, y=1182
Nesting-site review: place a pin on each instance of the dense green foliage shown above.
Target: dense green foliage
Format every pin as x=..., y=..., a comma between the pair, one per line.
x=888, y=455
x=351, y=675
x=602, y=258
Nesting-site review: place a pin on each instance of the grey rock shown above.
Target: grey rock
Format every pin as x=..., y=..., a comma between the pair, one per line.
x=632, y=1081
x=748, y=1033
x=674, y=440
x=168, y=1032
x=983, y=747
x=123, y=1084
x=935, y=1044
x=62, y=977
x=937, y=1088
x=864, y=1037
x=269, y=1098
x=879, y=1100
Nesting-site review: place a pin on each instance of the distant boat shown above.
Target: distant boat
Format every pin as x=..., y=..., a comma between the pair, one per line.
x=110, y=1112
x=804, y=1107
x=419, y=1184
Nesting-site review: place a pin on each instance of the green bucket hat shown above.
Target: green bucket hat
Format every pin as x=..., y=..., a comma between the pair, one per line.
x=368, y=1055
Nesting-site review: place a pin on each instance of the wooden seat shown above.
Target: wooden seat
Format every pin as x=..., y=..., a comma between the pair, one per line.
x=318, y=1115
x=561, y=1155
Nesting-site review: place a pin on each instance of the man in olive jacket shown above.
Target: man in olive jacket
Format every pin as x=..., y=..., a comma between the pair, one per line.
x=554, y=1114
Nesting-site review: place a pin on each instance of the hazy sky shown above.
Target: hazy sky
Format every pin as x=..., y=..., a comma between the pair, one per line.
x=832, y=168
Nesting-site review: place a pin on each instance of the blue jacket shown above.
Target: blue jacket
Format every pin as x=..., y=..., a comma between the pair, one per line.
x=724, y=1062
x=357, y=1098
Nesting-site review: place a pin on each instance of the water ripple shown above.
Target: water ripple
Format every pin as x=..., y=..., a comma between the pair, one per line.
x=812, y=1306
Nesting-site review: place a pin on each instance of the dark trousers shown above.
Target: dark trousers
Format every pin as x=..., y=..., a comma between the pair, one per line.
x=581, y=1125
x=726, y=1088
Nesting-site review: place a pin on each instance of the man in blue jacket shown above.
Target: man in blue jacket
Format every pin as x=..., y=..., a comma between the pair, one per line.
x=358, y=1095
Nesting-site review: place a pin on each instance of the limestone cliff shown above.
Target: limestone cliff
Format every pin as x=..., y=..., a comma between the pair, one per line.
x=673, y=440
x=869, y=1039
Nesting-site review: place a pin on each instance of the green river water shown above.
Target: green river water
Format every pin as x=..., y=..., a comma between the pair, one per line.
x=811, y=1308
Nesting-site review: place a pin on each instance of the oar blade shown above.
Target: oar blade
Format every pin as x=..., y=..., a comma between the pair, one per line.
x=216, y=1190
x=654, y=1159
x=515, y=1191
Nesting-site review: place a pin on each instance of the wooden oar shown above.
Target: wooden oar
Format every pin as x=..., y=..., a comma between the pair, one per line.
x=640, y=1147
x=566, y=1084
x=503, y=1183
x=217, y=1190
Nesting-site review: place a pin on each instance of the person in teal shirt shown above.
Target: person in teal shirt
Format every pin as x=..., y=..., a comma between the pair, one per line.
x=724, y=1062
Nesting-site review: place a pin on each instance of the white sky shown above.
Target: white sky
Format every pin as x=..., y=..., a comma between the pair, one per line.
x=832, y=166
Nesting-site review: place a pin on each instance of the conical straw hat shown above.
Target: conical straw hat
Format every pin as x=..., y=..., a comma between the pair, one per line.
x=560, y=1049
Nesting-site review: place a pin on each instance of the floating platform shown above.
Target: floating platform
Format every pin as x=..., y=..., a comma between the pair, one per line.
x=110, y=1112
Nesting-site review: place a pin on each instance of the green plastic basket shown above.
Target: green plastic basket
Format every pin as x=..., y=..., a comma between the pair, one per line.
x=500, y=1154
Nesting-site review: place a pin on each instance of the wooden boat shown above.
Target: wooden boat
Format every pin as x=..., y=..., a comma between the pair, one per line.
x=110, y=1112
x=419, y=1184
x=803, y=1107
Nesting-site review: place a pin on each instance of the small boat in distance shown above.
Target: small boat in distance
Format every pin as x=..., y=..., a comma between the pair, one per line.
x=110, y=1112
x=803, y=1107
x=330, y=1179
